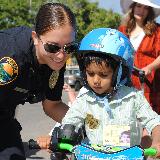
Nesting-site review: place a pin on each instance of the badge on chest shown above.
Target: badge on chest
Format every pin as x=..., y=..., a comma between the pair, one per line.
x=53, y=79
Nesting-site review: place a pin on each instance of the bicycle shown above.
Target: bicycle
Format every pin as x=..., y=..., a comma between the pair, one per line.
x=65, y=147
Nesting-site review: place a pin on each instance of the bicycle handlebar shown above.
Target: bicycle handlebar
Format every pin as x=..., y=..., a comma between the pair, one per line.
x=150, y=152
x=33, y=144
x=65, y=146
x=137, y=69
x=68, y=147
x=62, y=146
x=142, y=76
x=140, y=73
x=147, y=152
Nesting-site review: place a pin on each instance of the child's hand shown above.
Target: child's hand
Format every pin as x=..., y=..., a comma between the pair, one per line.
x=67, y=88
x=44, y=141
x=71, y=93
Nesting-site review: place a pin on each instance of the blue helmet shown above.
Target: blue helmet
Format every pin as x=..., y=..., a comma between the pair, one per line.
x=112, y=43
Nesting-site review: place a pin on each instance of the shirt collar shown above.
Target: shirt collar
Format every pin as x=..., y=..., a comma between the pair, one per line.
x=122, y=93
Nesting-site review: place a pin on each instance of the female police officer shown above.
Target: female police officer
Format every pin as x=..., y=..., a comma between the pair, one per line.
x=32, y=70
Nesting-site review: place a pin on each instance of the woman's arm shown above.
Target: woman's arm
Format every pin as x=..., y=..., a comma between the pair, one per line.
x=55, y=109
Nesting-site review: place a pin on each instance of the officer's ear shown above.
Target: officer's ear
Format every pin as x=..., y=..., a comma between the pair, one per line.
x=35, y=38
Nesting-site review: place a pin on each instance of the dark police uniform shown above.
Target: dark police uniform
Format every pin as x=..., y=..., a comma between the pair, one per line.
x=22, y=79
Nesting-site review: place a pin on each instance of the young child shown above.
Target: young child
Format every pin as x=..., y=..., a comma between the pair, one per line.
x=108, y=104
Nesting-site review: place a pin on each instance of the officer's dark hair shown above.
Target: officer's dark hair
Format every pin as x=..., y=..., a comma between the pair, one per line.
x=53, y=15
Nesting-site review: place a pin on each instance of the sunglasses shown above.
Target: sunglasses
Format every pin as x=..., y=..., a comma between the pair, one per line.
x=54, y=48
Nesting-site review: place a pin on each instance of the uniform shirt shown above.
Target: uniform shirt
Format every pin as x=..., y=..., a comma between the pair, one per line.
x=128, y=107
x=22, y=78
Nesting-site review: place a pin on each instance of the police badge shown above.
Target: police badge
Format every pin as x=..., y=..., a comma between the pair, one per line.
x=53, y=79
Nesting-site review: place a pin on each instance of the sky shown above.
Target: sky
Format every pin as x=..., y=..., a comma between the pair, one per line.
x=114, y=5
x=111, y=4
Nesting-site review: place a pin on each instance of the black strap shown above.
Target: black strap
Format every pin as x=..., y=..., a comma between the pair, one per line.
x=141, y=74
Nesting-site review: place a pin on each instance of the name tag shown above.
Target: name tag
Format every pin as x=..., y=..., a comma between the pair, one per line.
x=116, y=135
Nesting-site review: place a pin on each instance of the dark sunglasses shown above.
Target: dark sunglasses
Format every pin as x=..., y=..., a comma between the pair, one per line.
x=68, y=48
x=54, y=48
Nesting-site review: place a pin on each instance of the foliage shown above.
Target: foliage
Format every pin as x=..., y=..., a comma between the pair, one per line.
x=88, y=15
x=15, y=13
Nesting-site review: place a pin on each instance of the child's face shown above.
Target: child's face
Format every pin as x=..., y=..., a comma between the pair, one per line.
x=99, y=77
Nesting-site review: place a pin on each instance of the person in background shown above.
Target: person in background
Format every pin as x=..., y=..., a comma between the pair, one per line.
x=144, y=33
x=105, y=59
x=32, y=66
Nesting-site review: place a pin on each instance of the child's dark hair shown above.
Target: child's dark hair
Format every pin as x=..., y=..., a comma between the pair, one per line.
x=53, y=15
x=86, y=59
x=110, y=62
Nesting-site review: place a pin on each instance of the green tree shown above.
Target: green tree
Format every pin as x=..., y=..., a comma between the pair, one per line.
x=88, y=15
x=17, y=12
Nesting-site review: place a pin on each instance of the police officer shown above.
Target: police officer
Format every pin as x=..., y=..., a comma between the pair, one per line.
x=32, y=65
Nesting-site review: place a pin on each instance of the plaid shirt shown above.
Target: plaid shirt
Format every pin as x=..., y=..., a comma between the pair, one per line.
x=128, y=107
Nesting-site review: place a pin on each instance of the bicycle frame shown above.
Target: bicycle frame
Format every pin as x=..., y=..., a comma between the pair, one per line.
x=87, y=152
x=95, y=152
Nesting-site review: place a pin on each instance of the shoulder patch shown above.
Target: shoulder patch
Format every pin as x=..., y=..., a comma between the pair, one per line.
x=8, y=70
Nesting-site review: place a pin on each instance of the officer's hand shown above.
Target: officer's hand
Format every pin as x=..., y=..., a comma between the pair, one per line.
x=44, y=141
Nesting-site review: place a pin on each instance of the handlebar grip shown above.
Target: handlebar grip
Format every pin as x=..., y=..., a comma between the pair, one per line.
x=33, y=144
x=150, y=152
x=65, y=146
x=136, y=69
x=140, y=71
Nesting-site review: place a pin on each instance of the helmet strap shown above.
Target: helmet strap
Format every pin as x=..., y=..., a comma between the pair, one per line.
x=119, y=75
x=117, y=82
x=115, y=77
